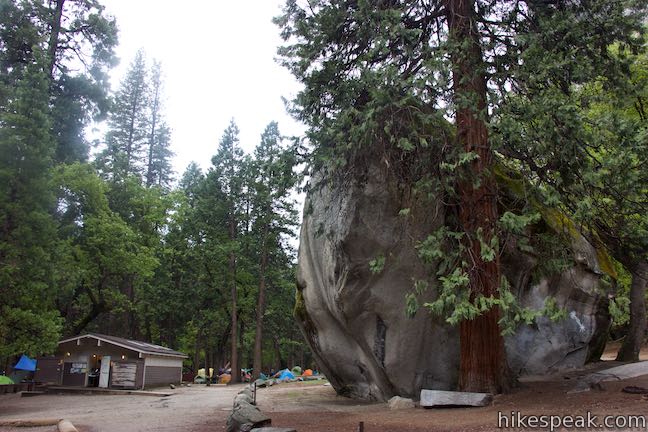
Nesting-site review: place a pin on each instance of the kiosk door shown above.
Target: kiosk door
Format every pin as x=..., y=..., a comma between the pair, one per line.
x=104, y=373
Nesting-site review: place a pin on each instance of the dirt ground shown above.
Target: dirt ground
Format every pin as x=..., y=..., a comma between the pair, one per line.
x=29, y=429
x=314, y=407
x=187, y=410
x=612, y=348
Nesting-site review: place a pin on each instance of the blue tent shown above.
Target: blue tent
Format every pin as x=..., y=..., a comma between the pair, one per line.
x=25, y=363
x=286, y=375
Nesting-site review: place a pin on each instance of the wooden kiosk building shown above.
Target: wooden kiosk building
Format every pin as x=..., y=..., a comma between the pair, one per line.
x=97, y=360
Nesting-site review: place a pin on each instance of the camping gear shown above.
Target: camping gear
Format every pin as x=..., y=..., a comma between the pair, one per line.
x=307, y=372
x=201, y=373
x=18, y=375
x=224, y=379
x=246, y=375
x=26, y=364
x=286, y=375
x=296, y=370
x=5, y=380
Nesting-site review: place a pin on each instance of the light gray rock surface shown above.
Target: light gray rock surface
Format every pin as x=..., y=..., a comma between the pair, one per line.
x=355, y=321
x=245, y=417
x=547, y=346
x=398, y=402
x=618, y=373
x=247, y=391
x=438, y=398
x=242, y=397
x=66, y=426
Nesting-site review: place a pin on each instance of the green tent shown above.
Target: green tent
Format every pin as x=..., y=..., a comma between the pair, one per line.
x=5, y=380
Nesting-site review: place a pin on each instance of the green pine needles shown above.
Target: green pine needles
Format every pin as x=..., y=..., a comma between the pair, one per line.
x=443, y=249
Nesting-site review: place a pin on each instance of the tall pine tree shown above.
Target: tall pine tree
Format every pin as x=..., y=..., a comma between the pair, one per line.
x=158, y=160
x=226, y=172
x=27, y=235
x=128, y=125
x=77, y=39
x=274, y=217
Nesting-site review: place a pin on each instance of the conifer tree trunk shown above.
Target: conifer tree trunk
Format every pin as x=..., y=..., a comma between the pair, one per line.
x=279, y=362
x=637, y=331
x=131, y=133
x=260, y=310
x=196, y=359
x=131, y=318
x=149, y=166
x=234, y=335
x=150, y=179
x=483, y=361
x=52, y=48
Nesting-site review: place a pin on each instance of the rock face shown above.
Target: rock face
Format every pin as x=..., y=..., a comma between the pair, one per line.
x=568, y=343
x=354, y=319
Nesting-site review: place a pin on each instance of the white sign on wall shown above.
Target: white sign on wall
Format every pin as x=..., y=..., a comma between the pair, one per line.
x=123, y=374
x=78, y=368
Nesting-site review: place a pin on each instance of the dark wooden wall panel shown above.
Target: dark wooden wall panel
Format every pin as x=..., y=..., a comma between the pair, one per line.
x=161, y=375
x=48, y=370
x=73, y=379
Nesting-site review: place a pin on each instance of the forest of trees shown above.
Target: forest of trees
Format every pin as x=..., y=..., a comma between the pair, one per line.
x=104, y=236
x=107, y=238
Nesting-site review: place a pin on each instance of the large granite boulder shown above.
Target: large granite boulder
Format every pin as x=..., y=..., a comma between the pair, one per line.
x=354, y=318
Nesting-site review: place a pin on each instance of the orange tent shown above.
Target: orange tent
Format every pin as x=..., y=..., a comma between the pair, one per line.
x=224, y=379
x=308, y=372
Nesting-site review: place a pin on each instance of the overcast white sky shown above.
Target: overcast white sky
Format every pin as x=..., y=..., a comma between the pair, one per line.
x=218, y=60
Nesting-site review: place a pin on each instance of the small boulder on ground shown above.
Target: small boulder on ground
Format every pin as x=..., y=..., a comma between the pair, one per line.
x=66, y=426
x=246, y=391
x=242, y=397
x=436, y=398
x=398, y=402
x=245, y=417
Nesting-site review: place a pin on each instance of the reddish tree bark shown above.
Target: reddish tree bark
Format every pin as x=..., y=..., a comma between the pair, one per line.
x=483, y=361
